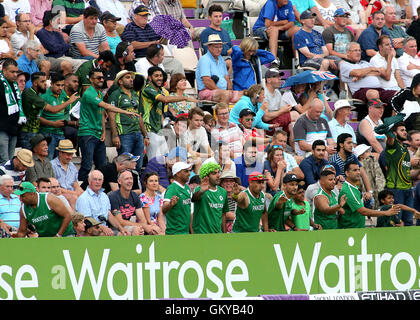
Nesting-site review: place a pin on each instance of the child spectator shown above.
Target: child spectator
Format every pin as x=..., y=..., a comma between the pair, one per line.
x=301, y=212
x=386, y=200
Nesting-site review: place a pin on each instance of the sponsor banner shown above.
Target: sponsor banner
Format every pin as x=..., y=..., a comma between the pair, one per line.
x=336, y=296
x=213, y=266
x=390, y=295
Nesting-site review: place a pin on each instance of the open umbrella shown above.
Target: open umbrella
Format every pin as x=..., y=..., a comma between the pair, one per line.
x=169, y=28
x=309, y=76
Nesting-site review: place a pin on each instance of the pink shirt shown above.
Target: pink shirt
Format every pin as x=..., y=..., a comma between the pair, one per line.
x=38, y=7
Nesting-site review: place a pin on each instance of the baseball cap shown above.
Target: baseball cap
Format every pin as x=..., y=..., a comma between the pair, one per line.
x=341, y=12
x=127, y=156
x=375, y=103
x=179, y=166
x=342, y=104
x=90, y=222
x=290, y=178
x=361, y=149
x=25, y=156
x=246, y=112
x=25, y=187
x=141, y=10
x=108, y=16
x=307, y=14
x=272, y=73
x=257, y=176
x=178, y=152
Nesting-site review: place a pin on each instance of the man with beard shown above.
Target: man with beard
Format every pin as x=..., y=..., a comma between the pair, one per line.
x=354, y=211
x=71, y=85
x=33, y=104
x=128, y=134
x=210, y=201
x=250, y=205
x=345, y=155
x=177, y=201
x=325, y=202
x=10, y=100
x=92, y=124
x=397, y=161
x=248, y=163
x=152, y=102
x=281, y=205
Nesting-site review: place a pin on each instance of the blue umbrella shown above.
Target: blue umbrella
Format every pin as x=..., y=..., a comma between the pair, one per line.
x=309, y=76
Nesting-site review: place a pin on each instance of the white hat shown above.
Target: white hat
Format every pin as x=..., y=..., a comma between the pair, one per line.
x=342, y=104
x=361, y=149
x=178, y=166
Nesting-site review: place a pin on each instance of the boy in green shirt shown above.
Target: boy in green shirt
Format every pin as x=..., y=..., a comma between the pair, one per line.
x=210, y=201
x=301, y=212
x=177, y=201
x=354, y=210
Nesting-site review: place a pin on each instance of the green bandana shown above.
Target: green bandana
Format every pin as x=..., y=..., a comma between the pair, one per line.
x=13, y=106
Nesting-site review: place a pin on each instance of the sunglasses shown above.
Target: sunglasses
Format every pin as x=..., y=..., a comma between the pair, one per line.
x=249, y=119
x=276, y=146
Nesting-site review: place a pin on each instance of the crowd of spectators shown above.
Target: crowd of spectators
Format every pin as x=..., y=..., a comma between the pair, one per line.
x=79, y=78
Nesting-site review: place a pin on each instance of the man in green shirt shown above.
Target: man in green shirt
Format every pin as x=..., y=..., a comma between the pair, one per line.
x=325, y=202
x=152, y=100
x=397, y=162
x=52, y=123
x=33, y=104
x=45, y=211
x=177, y=201
x=354, y=210
x=281, y=205
x=92, y=124
x=210, y=201
x=128, y=134
x=104, y=62
x=301, y=212
x=251, y=205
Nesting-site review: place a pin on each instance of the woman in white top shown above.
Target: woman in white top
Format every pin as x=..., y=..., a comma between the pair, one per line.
x=6, y=50
x=196, y=136
x=327, y=9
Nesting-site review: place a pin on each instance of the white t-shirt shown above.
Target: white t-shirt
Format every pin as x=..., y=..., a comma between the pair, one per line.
x=198, y=140
x=12, y=8
x=116, y=8
x=142, y=65
x=403, y=62
x=380, y=62
x=274, y=101
x=327, y=13
x=288, y=98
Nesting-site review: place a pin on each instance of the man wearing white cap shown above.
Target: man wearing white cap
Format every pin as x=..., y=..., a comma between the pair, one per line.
x=338, y=124
x=177, y=200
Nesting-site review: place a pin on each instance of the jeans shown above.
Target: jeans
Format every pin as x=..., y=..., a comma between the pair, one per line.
x=404, y=197
x=55, y=139
x=93, y=151
x=134, y=144
x=7, y=146
x=25, y=139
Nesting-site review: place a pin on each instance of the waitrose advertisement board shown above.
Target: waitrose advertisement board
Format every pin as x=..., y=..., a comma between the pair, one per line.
x=213, y=266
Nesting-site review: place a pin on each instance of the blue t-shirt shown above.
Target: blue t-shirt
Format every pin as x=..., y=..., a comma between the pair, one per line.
x=302, y=5
x=367, y=41
x=27, y=66
x=314, y=41
x=208, y=66
x=224, y=35
x=271, y=12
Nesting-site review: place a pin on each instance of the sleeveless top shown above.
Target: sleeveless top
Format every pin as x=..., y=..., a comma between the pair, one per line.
x=327, y=221
x=380, y=137
x=45, y=220
x=248, y=219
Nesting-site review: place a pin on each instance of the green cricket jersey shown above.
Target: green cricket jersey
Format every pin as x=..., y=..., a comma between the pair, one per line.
x=32, y=105
x=277, y=218
x=248, y=219
x=52, y=100
x=302, y=221
x=397, y=160
x=179, y=217
x=90, y=123
x=125, y=123
x=327, y=221
x=351, y=217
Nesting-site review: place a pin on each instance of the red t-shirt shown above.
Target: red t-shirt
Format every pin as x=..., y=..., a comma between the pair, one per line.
x=376, y=7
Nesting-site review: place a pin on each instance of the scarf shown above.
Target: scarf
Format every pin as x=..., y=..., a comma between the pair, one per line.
x=13, y=106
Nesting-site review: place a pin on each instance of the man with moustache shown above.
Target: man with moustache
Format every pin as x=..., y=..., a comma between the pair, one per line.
x=33, y=104
x=152, y=102
x=250, y=205
x=128, y=134
x=71, y=86
x=210, y=201
x=177, y=201
x=281, y=205
x=92, y=124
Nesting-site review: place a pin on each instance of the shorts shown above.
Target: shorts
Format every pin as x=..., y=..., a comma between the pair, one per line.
x=283, y=120
x=207, y=94
x=261, y=32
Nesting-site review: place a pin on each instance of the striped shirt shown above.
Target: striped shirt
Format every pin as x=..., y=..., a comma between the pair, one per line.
x=78, y=34
x=9, y=210
x=339, y=163
x=172, y=8
x=307, y=130
x=73, y=8
x=9, y=169
x=232, y=135
x=133, y=32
